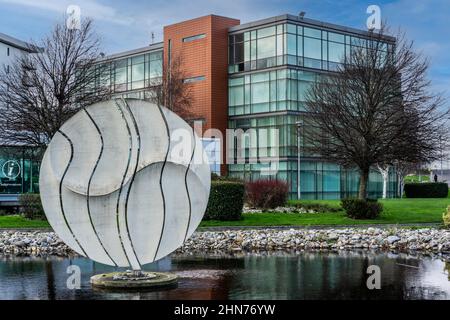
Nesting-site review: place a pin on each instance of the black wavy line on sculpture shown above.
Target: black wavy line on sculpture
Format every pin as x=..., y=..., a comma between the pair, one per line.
x=89, y=186
x=187, y=189
x=160, y=183
x=123, y=181
x=60, y=192
x=132, y=180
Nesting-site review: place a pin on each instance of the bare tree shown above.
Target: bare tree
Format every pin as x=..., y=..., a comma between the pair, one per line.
x=402, y=169
x=376, y=109
x=42, y=90
x=173, y=91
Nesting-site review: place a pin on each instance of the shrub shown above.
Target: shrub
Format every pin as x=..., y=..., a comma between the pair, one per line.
x=31, y=206
x=446, y=217
x=266, y=194
x=226, y=200
x=426, y=190
x=362, y=209
x=7, y=211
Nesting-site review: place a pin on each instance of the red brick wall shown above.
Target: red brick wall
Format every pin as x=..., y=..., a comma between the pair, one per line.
x=205, y=57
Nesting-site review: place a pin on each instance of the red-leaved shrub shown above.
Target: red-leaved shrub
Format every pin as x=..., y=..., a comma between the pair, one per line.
x=266, y=194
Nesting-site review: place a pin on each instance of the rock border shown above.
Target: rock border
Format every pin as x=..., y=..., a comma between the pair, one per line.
x=430, y=240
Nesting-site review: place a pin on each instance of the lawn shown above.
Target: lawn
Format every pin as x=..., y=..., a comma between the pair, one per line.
x=20, y=222
x=416, y=178
x=396, y=211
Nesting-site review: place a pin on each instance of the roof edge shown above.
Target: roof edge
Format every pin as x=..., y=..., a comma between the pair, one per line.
x=19, y=44
x=123, y=54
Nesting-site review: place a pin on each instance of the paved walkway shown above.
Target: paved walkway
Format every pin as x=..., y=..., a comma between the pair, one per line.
x=220, y=228
x=360, y=226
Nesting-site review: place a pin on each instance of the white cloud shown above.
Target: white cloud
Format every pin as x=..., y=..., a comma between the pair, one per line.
x=92, y=9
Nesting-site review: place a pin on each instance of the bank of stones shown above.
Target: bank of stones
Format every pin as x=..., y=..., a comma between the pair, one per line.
x=404, y=240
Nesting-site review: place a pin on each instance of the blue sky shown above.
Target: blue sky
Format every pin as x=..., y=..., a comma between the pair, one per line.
x=125, y=25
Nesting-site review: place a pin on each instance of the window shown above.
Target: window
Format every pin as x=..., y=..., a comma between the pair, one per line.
x=313, y=48
x=196, y=37
x=291, y=44
x=155, y=68
x=266, y=47
x=169, y=52
x=239, y=52
x=300, y=46
x=266, y=32
x=314, y=33
x=336, y=51
x=336, y=37
x=7, y=51
x=155, y=56
x=260, y=92
x=194, y=79
x=121, y=72
x=236, y=96
x=137, y=72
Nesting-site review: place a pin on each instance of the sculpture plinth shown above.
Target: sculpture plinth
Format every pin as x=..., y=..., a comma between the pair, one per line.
x=129, y=281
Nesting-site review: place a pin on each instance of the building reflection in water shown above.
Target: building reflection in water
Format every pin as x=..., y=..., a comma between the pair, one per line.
x=242, y=276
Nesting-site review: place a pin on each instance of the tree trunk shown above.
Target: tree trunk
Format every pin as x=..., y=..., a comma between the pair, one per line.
x=401, y=185
x=364, y=178
x=384, y=171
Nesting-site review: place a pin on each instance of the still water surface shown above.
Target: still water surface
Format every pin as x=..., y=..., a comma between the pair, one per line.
x=264, y=276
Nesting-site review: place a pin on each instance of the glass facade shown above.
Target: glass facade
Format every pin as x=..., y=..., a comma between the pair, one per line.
x=269, y=91
x=270, y=72
x=290, y=44
x=287, y=135
x=19, y=170
x=318, y=180
x=132, y=77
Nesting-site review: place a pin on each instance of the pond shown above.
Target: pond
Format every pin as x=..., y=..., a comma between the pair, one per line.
x=278, y=275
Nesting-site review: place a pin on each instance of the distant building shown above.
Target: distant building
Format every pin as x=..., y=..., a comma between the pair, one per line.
x=442, y=175
x=19, y=172
x=253, y=75
x=11, y=48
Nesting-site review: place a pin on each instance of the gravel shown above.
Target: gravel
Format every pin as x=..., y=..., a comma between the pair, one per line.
x=426, y=240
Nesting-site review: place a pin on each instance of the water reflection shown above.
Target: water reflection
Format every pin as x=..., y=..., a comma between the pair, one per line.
x=243, y=276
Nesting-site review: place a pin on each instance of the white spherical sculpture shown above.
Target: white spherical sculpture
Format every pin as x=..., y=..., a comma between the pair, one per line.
x=124, y=182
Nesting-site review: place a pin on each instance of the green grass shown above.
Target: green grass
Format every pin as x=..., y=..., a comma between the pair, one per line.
x=415, y=178
x=19, y=222
x=396, y=211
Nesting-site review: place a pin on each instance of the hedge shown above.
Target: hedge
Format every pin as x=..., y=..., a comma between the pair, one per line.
x=426, y=190
x=362, y=209
x=226, y=201
x=31, y=206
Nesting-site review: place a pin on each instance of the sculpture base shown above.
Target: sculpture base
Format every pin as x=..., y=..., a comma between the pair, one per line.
x=131, y=280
